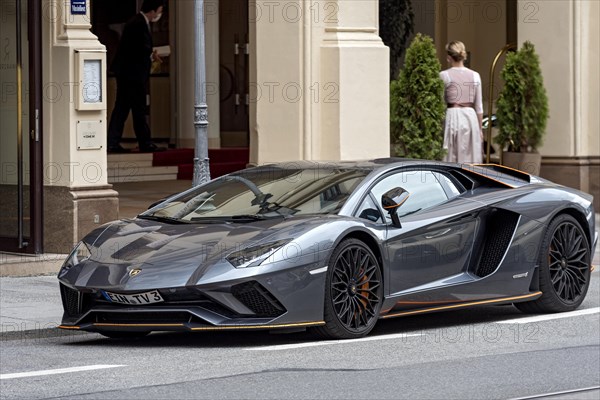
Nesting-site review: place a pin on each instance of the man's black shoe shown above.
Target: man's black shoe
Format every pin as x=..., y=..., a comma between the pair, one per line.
x=118, y=149
x=151, y=148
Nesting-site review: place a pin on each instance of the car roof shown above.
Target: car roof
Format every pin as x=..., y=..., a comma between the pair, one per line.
x=369, y=165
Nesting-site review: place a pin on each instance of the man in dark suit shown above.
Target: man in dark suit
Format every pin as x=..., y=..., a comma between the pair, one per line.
x=131, y=66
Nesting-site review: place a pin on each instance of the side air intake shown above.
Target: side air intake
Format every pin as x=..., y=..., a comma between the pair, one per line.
x=499, y=228
x=258, y=299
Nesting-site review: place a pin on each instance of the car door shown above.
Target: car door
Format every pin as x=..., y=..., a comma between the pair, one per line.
x=433, y=247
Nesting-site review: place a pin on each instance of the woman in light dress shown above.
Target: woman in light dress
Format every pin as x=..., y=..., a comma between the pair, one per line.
x=463, y=136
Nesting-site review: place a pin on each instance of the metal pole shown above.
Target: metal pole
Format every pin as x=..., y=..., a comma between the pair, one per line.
x=201, y=165
x=505, y=49
x=20, y=205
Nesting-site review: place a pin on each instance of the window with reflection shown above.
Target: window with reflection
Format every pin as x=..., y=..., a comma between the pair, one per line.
x=264, y=192
x=424, y=187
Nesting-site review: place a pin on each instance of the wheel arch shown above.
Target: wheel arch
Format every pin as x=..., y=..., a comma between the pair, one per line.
x=579, y=217
x=371, y=243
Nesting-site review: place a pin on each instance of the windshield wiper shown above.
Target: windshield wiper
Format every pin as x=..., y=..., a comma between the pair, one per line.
x=254, y=217
x=163, y=219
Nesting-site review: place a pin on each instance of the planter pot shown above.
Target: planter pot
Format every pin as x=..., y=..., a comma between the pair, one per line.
x=526, y=162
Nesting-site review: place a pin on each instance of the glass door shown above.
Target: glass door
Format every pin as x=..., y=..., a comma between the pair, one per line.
x=20, y=127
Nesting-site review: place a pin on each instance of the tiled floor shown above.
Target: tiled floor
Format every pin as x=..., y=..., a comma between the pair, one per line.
x=135, y=197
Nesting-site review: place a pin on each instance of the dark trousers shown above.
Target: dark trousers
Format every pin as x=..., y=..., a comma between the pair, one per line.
x=131, y=95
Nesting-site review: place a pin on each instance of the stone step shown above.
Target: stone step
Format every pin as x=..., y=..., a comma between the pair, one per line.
x=129, y=160
x=134, y=173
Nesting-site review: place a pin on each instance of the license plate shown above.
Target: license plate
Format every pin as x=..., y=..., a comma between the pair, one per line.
x=135, y=299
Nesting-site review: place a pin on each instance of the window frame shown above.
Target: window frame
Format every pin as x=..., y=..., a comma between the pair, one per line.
x=447, y=191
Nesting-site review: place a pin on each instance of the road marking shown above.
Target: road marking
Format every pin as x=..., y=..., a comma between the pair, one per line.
x=57, y=371
x=548, y=317
x=332, y=342
x=546, y=395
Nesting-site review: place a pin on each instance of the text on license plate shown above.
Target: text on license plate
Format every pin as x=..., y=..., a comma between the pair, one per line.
x=138, y=298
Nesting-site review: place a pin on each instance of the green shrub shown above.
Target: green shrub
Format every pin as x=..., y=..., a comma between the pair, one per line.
x=417, y=104
x=522, y=104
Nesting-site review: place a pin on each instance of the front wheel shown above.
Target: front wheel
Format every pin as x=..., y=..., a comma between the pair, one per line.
x=564, y=268
x=353, y=291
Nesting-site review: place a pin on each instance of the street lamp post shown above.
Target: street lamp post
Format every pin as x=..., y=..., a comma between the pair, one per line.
x=201, y=165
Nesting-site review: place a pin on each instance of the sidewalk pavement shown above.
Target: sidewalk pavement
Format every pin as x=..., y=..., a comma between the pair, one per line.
x=32, y=305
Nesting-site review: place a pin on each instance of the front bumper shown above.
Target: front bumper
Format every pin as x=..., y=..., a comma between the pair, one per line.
x=290, y=299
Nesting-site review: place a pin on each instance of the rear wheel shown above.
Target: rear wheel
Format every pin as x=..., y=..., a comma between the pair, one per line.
x=564, y=268
x=353, y=291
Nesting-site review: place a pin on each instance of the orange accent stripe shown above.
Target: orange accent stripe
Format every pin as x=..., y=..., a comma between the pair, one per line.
x=207, y=328
x=487, y=177
x=501, y=167
x=68, y=327
x=474, y=303
x=398, y=205
x=278, y=326
x=430, y=302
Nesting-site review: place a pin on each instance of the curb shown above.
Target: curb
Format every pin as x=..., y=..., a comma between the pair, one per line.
x=19, y=265
x=41, y=333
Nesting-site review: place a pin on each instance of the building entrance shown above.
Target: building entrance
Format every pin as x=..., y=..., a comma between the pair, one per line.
x=20, y=127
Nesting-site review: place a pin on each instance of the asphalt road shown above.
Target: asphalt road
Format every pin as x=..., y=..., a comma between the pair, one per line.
x=469, y=354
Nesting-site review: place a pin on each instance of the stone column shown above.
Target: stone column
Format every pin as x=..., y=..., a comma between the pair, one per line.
x=319, y=81
x=77, y=197
x=565, y=35
x=355, y=75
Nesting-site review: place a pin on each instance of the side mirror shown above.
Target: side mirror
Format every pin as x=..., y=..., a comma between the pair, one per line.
x=392, y=200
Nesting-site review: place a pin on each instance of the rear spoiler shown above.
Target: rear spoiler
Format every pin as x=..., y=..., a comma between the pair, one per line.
x=507, y=170
x=505, y=176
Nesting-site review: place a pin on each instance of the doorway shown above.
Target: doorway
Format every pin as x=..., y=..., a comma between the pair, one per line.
x=108, y=20
x=21, y=185
x=234, y=72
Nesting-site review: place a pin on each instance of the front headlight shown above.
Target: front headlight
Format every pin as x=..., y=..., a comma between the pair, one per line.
x=80, y=253
x=255, y=255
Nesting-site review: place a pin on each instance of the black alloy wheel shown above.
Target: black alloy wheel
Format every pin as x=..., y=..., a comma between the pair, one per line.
x=564, y=268
x=353, y=293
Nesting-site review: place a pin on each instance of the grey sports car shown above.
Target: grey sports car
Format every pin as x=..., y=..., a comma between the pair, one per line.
x=335, y=247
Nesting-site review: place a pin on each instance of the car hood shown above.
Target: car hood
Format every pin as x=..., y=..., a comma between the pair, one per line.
x=172, y=255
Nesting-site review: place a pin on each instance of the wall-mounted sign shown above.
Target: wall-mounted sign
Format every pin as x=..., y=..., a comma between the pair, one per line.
x=88, y=135
x=78, y=7
x=90, y=73
x=92, y=81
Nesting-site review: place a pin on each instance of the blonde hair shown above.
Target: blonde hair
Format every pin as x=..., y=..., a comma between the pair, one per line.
x=457, y=50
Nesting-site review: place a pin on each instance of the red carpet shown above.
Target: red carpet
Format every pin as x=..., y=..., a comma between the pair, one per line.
x=222, y=161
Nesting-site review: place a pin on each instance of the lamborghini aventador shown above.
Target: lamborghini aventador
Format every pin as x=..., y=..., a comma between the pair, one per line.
x=334, y=247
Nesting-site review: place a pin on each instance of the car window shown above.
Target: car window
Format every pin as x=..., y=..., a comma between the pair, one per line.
x=452, y=190
x=424, y=187
x=263, y=192
x=368, y=210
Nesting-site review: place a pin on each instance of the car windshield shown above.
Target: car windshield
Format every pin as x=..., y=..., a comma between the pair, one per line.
x=260, y=193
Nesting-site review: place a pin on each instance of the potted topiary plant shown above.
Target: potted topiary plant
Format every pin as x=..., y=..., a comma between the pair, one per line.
x=522, y=110
x=417, y=104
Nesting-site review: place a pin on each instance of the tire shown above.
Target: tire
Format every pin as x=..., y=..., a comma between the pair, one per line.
x=124, y=335
x=353, y=292
x=564, y=268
